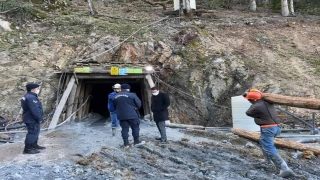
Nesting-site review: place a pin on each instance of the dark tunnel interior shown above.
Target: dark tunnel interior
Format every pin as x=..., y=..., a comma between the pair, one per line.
x=100, y=92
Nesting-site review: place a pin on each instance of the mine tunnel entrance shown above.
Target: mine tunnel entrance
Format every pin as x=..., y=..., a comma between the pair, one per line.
x=100, y=90
x=90, y=92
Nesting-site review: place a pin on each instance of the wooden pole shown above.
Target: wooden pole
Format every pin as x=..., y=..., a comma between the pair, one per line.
x=81, y=99
x=77, y=97
x=300, y=102
x=185, y=126
x=62, y=102
x=254, y=136
x=71, y=100
x=86, y=94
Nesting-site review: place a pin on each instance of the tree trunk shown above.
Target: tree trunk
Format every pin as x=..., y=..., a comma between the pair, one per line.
x=254, y=136
x=300, y=102
x=284, y=8
x=91, y=7
x=291, y=7
x=187, y=8
x=253, y=5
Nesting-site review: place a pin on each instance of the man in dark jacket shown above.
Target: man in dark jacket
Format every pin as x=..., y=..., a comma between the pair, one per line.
x=265, y=115
x=159, y=106
x=112, y=109
x=127, y=105
x=32, y=117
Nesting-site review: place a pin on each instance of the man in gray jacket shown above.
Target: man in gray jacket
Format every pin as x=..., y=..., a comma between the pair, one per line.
x=265, y=115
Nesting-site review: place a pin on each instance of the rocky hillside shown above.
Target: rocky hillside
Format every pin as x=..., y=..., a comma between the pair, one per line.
x=201, y=62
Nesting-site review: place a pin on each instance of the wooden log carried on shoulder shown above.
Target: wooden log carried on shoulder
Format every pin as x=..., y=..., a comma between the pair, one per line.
x=254, y=136
x=300, y=102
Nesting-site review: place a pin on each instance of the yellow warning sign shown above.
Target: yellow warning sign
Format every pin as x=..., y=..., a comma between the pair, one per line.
x=114, y=71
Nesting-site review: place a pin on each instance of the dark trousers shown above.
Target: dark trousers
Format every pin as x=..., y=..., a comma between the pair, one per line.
x=33, y=133
x=161, y=125
x=133, y=124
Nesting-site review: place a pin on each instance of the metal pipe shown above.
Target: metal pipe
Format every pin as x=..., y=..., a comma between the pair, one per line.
x=313, y=123
x=12, y=127
x=316, y=131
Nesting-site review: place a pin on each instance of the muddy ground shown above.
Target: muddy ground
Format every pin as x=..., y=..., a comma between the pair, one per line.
x=86, y=150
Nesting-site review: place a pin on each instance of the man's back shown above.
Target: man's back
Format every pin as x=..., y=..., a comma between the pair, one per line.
x=127, y=105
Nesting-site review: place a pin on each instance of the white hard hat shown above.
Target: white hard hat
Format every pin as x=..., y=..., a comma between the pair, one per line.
x=116, y=86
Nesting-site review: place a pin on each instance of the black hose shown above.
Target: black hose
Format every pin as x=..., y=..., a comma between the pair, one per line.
x=13, y=127
x=3, y=141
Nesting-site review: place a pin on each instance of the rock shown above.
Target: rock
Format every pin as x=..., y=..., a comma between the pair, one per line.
x=165, y=52
x=35, y=64
x=5, y=25
x=5, y=59
x=4, y=137
x=128, y=54
x=174, y=62
x=249, y=145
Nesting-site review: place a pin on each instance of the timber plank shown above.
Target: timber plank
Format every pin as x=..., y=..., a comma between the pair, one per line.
x=62, y=102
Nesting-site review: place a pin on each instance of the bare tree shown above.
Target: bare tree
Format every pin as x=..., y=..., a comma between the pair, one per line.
x=187, y=8
x=91, y=7
x=291, y=7
x=253, y=5
x=284, y=8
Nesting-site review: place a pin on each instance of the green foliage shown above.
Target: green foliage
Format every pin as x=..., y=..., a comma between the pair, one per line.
x=276, y=5
x=19, y=11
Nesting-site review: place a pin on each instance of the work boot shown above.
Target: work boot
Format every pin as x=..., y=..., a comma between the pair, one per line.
x=280, y=164
x=267, y=158
x=157, y=138
x=136, y=141
x=125, y=143
x=28, y=149
x=114, y=130
x=163, y=141
x=36, y=146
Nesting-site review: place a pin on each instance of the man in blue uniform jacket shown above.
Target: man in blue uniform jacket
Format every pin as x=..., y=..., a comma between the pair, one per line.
x=32, y=117
x=127, y=105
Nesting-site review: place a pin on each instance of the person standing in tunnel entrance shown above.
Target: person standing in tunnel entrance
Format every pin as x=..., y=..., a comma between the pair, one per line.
x=32, y=117
x=127, y=105
x=159, y=106
x=113, y=114
x=265, y=115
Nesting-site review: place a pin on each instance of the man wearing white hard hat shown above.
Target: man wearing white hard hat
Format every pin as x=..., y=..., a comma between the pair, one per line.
x=113, y=115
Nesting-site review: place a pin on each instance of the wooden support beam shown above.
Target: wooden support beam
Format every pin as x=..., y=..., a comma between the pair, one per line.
x=86, y=94
x=81, y=99
x=150, y=81
x=77, y=97
x=278, y=142
x=104, y=76
x=71, y=101
x=62, y=102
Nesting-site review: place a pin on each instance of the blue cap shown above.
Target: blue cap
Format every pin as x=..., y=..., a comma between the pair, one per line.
x=31, y=86
x=125, y=86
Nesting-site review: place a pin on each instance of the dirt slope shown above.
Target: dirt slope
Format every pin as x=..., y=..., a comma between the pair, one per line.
x=87, y=151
